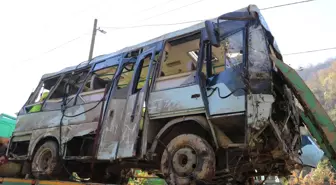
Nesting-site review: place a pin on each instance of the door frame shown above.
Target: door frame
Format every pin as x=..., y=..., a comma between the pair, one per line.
x=134, y=109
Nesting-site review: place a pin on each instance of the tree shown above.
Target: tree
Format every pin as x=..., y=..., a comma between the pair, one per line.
x=321, y=79
x=323, y=174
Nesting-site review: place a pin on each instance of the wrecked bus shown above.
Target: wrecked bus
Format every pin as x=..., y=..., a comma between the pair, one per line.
x=204, y=103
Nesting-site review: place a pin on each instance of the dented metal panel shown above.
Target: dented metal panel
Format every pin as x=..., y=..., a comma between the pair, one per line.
x=259, y=109
x=130, y=128
x=111, y=130
x=46, y=124
x=201, y=120
x=68, y=132
x=314, y=116
x=51, y=119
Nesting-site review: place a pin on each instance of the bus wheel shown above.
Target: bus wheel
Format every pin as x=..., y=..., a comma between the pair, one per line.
x=45, y=162
x=188, y=158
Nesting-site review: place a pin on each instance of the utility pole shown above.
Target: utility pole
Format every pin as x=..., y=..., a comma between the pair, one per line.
x=94, y=32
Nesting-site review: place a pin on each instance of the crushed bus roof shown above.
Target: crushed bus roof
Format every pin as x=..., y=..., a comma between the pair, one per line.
x=171, y=35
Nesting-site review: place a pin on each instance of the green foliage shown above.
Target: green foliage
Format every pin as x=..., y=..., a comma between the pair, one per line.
x=321, y=79
x=144, y=178
x=323, y=174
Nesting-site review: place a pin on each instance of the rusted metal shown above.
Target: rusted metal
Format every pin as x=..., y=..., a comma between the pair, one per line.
x=201, y=120
x=177, y=99
x=187, y=158
x=259, y=107
x=50, y=119
x=223, y=140
x=314, y=116
x=37, y=126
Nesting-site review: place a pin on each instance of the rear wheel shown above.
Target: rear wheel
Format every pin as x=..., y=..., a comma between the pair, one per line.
x=45, y=162
x=188, y=158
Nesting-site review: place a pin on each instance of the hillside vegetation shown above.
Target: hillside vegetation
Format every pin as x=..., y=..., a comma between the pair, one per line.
x=321, y=79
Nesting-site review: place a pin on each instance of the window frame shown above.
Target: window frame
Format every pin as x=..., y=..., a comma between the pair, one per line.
x=208, y=52
x=57, y=84
x=122, y=68
x=138, y=70
x=112, y=61
x=30, y=103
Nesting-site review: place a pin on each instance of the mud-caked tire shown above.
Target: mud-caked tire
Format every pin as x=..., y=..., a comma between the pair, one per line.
x=45, y=163
x=188, y=159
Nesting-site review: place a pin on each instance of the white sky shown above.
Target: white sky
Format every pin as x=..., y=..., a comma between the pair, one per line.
x=31, y=28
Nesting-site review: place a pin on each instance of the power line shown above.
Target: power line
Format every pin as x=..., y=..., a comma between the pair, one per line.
x=157, y=15
x=178, y=23
x=186, y=22
x=288, y=4
x=155, y=6
x=309, y=51
x=153, y=25
x=57, y=47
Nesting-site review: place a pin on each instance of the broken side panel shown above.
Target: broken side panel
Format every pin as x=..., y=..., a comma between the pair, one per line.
x=259, y=102
x=314, y=116
x=113, y=109
x=137, y=96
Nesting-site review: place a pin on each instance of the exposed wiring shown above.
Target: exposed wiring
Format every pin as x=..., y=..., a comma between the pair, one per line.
x=72, y=116
x=222, y=97
x=65, y=97
x=63, y=109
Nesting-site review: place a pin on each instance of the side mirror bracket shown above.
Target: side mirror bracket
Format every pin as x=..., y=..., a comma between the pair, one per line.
x=212, y=33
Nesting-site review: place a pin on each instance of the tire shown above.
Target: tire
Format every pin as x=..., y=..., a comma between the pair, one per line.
x=188, y=159
x=46, y=162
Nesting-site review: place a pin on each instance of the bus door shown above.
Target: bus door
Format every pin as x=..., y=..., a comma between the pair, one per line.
x=137, y=96
x=123, y=110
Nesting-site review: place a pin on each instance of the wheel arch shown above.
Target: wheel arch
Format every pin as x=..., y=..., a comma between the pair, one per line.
x=40, y=141
x=199, y=120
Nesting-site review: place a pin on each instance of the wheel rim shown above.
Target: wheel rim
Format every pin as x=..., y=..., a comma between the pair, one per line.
x=45, y=161
x=188, y=158
x=184, y=161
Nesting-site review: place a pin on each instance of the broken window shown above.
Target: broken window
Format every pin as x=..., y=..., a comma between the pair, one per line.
x=70, y=84
x=230, y=53
x=194, y=54
x=179, y=58
x=183, y=56
x=36, y=103
x=96, y=84
x=124, y=81
x=103, y=78
x=126, y=76
x=65, y=90
x=144, y=65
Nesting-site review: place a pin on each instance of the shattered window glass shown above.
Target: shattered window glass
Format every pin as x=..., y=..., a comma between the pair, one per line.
x=231, y=52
